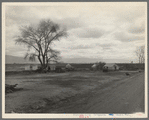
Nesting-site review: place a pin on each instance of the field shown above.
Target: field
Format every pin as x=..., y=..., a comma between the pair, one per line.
x=74, y=92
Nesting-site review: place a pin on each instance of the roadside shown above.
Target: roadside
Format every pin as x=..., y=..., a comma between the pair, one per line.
x=125, y=96
x=45, y=93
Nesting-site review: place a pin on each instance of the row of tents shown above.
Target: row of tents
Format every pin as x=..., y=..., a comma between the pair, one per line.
x=106, y=67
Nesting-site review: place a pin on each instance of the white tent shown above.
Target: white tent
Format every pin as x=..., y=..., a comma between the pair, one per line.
x=94, y=67
x=68, y=66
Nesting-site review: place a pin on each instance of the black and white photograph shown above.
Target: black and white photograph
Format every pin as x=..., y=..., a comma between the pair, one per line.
x=74, y=60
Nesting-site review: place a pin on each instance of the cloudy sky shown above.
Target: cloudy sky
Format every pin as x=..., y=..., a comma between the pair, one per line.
x=104, y=31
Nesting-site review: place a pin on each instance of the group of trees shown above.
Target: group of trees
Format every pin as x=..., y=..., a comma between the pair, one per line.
x=140, y=53
x=39, y=39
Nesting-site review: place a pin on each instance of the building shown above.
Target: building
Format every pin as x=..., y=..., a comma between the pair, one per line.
x=31, y=67
x=27, y=67
x=34, y=67
x=56, y=67
x=110, y=67
x=52, y=67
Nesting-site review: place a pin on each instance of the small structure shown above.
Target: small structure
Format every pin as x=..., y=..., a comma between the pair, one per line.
x=68, y=66
x=27, y=67
x=94, y=67
x=110, y=66
x=52, y=67
x=31, y=67
x=56, y=67
x=34, y=67
x=60, y=67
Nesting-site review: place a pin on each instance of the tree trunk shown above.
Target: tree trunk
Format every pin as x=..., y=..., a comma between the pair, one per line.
x=44, y=65
x=40, y=60
x=43, y=57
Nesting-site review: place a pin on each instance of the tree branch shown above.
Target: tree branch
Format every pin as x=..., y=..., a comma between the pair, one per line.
x=24, y=41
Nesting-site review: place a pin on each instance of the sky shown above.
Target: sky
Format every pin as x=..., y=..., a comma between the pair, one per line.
x=100, y=31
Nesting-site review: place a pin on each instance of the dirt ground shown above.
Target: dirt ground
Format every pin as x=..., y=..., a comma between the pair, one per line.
x=75, y=92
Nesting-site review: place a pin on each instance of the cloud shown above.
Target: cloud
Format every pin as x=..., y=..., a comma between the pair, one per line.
x=127, y=37
x=21, y=15
x=129, y=12
x=81, y=47
x=136, y=30
x=88, y=32
x=106, y=46
x=70, y=23
x=95, y=30
x=16, y=50
x=138, y=27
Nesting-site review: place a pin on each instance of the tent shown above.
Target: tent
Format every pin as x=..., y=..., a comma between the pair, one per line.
x=110, y=66
x=68, y=66
x=94, y=67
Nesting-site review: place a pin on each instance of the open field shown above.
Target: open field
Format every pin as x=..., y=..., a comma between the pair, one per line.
x=76, y=92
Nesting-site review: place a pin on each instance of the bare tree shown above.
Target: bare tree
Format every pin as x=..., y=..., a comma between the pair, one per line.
x=39, y=39
x=140, y=54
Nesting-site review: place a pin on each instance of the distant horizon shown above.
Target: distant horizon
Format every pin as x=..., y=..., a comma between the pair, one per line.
x=68, y=60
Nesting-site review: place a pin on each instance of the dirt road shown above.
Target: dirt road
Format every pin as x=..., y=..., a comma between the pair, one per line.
x=126, y=96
